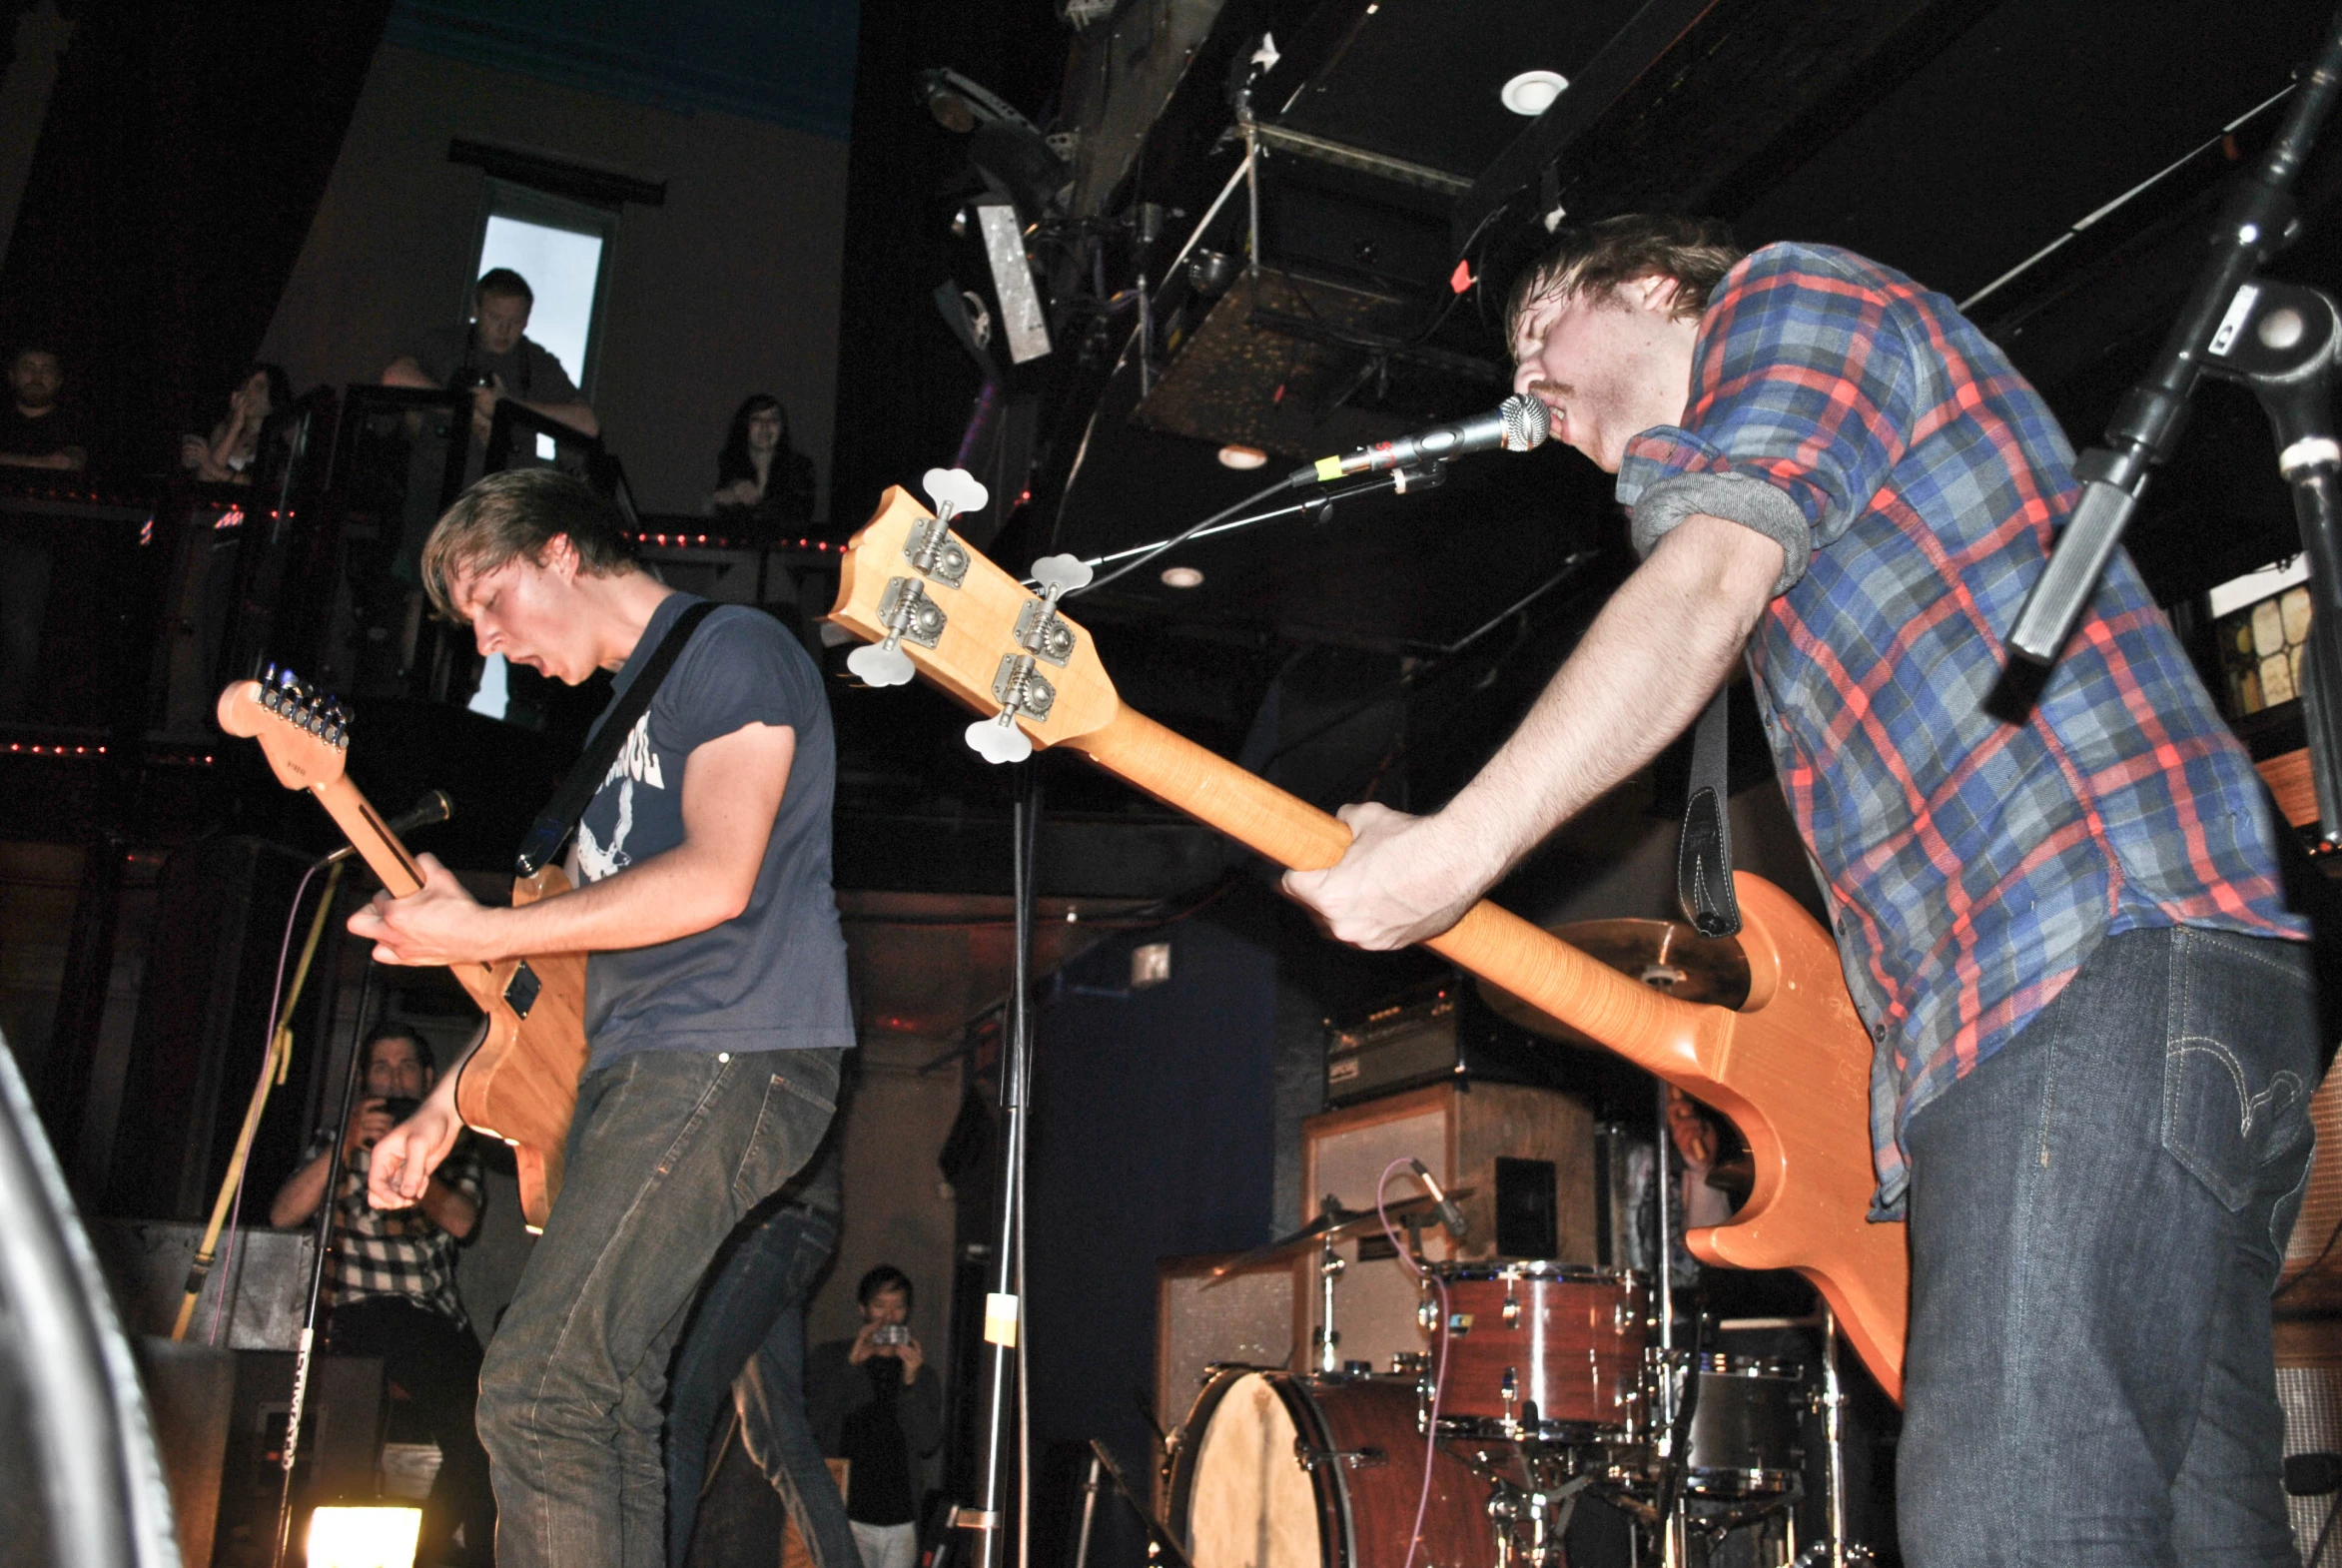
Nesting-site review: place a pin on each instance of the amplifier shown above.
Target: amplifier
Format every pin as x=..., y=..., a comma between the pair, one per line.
x=1433, y=1033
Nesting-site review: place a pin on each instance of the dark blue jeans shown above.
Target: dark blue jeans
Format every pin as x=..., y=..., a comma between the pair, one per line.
x=750, y=1328
x=668, y=1152
x=2097, y=1215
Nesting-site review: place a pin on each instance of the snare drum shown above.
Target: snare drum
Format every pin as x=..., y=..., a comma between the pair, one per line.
x=1746, y=1428
x=1545, y=1351
x=1273, y=1470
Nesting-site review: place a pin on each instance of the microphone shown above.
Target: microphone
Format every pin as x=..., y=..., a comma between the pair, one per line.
x=1516, y=424
x=433, y=807
x=1449, y=1215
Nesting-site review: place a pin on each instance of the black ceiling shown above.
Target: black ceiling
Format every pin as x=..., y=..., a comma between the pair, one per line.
x=1952, y=139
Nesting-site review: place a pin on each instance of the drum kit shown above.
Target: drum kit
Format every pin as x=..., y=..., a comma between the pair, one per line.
x=1539, y=1382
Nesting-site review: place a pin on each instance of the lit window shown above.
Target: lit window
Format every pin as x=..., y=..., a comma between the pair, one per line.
x=561, y=247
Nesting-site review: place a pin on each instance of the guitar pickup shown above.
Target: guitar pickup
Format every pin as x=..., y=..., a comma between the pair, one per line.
x=522, y=991
x=1044, y=634
x=910, y=614
x=934, y=553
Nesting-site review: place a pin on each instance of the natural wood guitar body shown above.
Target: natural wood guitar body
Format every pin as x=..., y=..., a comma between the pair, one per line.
x=521, y=1084
x=1790, y=1068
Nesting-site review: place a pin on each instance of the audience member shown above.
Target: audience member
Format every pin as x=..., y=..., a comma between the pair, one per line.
x=494, y=357
x=874, y=1401
x=747, y=1340
x=225, y=456
x=394, y=1285
x=762, y=481
x=36, y=432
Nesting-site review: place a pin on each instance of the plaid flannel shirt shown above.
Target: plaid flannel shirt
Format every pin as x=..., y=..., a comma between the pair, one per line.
x=399, y=1252
x=1914, y=480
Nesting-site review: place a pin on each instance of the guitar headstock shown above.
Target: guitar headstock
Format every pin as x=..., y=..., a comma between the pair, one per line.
x=304, y=732
x=931, y=605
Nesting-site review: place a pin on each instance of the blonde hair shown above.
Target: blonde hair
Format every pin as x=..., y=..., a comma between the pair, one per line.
x=515, y=514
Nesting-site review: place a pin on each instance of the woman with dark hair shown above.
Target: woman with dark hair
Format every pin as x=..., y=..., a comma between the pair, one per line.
x=761, y=478
x=226, y=456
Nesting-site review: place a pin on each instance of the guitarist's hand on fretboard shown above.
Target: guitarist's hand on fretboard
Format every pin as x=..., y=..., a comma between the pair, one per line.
x=1397, y=883
x=438, y=923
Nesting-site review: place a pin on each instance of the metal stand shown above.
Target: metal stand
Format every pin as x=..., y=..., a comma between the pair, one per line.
x=305, y=1351
x=2224, y=314
x=1330, y=1266
x=1003, y=1310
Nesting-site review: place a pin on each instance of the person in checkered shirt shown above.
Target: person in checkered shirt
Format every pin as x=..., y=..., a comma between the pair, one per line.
x=392, y=1284
x=2091, y=1007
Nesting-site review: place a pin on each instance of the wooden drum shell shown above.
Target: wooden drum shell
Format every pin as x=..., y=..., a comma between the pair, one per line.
x=1240, y=1496
x=1567, y=1341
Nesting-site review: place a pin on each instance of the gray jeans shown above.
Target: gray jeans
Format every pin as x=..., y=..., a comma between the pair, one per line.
x=2098, y=1216
x=668, y=1152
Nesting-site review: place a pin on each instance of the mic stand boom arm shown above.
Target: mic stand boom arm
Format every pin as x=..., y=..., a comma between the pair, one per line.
x=2259, y=219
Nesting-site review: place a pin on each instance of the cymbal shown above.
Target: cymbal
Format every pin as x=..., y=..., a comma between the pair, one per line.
x=1335, y=1224
x=1666, y=954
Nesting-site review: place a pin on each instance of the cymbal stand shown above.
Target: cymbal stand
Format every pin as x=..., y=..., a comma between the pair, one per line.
x=1330, y=1266
x=1668, y=1386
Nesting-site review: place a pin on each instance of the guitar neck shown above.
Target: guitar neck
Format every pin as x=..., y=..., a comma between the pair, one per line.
x=376, y=844
x=1652, y=1030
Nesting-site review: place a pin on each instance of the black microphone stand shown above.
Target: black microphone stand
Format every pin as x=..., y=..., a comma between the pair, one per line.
x=305, y=1352
x=1003, y=1310
x=2279, y=340
x=1317, y=505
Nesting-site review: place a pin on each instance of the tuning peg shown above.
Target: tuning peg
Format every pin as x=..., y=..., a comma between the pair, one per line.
x=954, y=490
x=1063, y=573
x=997, y=740
x=881, y=664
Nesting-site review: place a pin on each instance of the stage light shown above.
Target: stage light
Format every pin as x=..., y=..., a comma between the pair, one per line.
x=959, y=106
x=1243, y=457
x=1532, y=92
x=1181, y=578
x=363, y=1537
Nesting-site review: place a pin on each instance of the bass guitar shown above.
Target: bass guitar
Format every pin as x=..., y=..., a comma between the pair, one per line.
x=521, y=1084
x=1790, y=1067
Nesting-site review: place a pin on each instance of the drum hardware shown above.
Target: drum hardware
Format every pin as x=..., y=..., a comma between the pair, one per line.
x=1161, y=1541
x=1335, y=1223
x=1356, y=1459
x=1330, y=1269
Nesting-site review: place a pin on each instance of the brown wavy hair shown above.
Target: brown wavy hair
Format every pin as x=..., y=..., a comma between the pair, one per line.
x=1597, y=259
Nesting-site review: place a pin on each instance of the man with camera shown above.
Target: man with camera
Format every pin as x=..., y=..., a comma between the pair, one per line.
x=392, y=1281
x=493, y=358
x=875, y=1403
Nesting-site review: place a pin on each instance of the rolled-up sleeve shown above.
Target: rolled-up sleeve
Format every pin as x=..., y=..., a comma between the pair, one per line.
x=1803, y=390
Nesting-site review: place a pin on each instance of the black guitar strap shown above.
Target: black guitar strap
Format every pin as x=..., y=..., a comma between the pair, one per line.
x=1703, y=858
x=554, y=825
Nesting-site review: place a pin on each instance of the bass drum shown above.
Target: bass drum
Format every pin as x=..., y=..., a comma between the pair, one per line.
x=1274, y=1470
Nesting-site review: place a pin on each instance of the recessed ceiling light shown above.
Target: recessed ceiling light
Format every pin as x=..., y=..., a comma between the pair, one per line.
x=1532, y=92
x=1243, y=456
x=1181, y=578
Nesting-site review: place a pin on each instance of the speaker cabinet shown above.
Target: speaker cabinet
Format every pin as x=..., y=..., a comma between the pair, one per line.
x=1256, y=1317
x=1526, y=1155
x=2309, y=1387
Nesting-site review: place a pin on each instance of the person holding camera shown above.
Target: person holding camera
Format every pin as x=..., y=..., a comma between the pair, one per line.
x=493, y=358
x=875, y=1403
x=392, y=1284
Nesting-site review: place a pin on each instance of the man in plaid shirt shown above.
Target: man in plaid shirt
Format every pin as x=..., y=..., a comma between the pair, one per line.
x=392, y=1281
x=2091, y=1008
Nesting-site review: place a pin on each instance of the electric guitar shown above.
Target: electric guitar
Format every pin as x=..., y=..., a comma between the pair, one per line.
x=1791, y=1067
x=521, y=1084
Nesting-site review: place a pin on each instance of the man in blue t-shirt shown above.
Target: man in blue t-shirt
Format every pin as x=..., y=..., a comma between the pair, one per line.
x=715, y=1009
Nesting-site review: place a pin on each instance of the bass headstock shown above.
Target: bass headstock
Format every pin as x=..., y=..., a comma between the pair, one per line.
x=931, y=605
x=304, y=732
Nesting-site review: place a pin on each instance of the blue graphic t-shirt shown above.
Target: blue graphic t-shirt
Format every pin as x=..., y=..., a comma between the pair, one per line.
x=773, y=977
